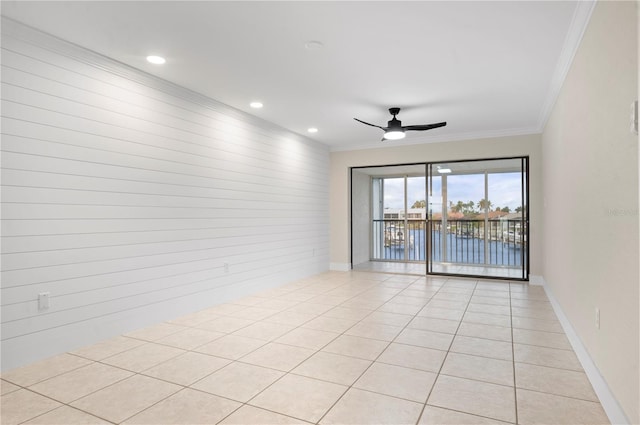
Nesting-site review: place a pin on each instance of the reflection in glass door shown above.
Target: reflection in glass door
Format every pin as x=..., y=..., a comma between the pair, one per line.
x=478, y=218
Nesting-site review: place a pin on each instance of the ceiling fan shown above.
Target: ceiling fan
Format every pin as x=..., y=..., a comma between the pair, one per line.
x=395, y=130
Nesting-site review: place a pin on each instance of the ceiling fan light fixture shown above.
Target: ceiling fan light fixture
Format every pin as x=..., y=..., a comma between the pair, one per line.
x=394, y=135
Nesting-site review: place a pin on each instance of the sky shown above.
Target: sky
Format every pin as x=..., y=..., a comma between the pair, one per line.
x=504, y=190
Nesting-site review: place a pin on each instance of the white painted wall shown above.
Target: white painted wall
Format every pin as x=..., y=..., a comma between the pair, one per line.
x=590, y=186
x=124, y=195
x=448, y=151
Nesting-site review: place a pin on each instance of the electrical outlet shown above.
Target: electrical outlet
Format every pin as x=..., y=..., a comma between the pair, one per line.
x=597, y=318
x=226, y=267
x=43, y=301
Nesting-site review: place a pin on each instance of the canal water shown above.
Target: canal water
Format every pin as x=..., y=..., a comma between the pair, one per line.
x=460, y=249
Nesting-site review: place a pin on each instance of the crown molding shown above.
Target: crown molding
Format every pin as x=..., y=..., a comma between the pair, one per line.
x=579, y=22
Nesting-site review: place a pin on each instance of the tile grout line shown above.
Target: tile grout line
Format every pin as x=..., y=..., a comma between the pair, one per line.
x=513, y=359
x=447, y=352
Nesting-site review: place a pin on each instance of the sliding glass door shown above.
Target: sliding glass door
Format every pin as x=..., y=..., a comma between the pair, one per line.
x=463, y=218
x=478, y=218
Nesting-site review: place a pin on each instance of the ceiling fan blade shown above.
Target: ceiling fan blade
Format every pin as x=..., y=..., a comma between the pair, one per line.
x=372, y=125
x=424, y=127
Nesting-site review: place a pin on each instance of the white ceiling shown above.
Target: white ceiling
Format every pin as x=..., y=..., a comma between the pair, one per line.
x=487, y=68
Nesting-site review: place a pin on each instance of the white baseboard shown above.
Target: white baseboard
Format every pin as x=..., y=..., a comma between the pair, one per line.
x=610, y=404
x=536, y=280
x=340, y=267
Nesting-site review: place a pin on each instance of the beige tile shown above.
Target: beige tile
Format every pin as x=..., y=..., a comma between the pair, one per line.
x=348, y=313
x=435, y=325
x=264, y=330
x=44, y=369
x=307, y=338
x=254, y=313
x=278, y=305
x=482, y=347
x=479, y=368
x=143, y=357
x=238, y=381
x=332, y=367
x=189, y=339
x=421, y=338
x=231, y=347
x=441, y=313
x=526, y=303
x=542, y=339
x=478, y=299
x=404, y=299
x=310, y=308
x=252, y=415
x=531, y=294
x=493, y=286
x=7, y=387
x=155, y=332
x=65, y=415
x=535, y=313
x=22, y=405
x=492, y=294
x=331, y=300
x=536, y=324
x=453, y=305
x=78, y=383
x=487, y=319
x=225, y=309
x=396, y=381
x=489, y=309
x=567, y=383
x=436, y=415
x=126, y=398
x=399, y=308
x=300, y=397
x=543, y=356
x=410, y=356
x=364, y=407
x=187, y=368
x=278, y=356
x=291, y=318
x=386, y=318
x=498, y=333
x=186, y=407
x=108, y=348
x=330, y=324
x=355, y=346
x=540, y=408
x=250, y=301
x=194, y=319
x=474, y=397
x=374, y=331
x=225, y=324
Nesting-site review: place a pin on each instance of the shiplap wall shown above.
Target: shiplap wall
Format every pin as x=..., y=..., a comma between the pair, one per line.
x=123, y=196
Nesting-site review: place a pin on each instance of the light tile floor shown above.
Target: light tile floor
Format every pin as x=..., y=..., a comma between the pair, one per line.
x=336, y=348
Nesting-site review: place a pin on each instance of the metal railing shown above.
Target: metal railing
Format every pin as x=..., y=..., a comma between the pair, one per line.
x=491, y=242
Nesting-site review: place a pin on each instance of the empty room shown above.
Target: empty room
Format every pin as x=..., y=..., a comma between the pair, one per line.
x=319, y=212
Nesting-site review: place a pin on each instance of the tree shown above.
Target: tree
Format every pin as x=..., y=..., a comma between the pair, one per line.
x=484, y=204
x=419, y=204
x=506, y=209
x=519, y=209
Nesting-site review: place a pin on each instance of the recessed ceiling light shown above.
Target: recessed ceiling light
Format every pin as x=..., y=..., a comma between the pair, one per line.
x=313, y=45
x=156, y=60
x=312, y=130
x=256, y=105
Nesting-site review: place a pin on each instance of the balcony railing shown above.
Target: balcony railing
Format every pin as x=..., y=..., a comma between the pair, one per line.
x=492, y=242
